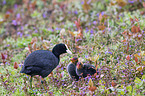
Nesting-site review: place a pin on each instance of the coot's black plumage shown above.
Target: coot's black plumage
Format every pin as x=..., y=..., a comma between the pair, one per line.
x=71, y=68
x=42, y=62
x=84, y=70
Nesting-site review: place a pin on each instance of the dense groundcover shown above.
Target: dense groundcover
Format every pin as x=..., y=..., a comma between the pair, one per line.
x=108, y=34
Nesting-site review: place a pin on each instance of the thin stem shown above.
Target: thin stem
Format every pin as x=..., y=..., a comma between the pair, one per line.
x=31, y=81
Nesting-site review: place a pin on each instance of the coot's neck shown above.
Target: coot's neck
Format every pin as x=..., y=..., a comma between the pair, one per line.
x=75, y=63
x=56, y=52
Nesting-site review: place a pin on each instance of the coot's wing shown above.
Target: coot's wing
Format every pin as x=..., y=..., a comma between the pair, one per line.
x=90, y=69
x=41, y=58
x=71, y=69
x=80, y=72
x=40, y=62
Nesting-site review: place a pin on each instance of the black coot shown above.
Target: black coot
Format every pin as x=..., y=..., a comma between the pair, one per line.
x=84, y=70
x=42, y=62
x=71, y=68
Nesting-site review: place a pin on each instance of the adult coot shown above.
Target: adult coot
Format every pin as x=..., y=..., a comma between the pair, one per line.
x=42, y=62
x=84, y=70
x=71, y=68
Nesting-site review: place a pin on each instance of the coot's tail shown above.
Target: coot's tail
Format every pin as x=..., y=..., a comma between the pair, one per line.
x=23, y=70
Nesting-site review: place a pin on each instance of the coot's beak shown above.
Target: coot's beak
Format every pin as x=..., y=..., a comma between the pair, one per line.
x=68, y=51
x=79, y=65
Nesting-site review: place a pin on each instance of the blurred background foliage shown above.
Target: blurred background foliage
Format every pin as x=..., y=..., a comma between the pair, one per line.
x=106, y=33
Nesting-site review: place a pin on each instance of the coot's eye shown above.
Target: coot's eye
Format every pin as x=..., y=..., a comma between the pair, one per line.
x=64, y=47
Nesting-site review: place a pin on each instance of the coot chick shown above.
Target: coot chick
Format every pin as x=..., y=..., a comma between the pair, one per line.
x=71, y=68
x=84, y=70
x=42, y=62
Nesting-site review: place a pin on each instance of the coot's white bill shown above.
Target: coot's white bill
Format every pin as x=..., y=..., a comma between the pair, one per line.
x=68, y=51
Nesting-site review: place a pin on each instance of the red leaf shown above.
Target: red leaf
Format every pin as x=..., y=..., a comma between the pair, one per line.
x=129, y=34
x=128, y=57
x=123, y=40
x=101, y=27
x=135, y=29
x=127, y=47
x=86, y=6
x=25, y=2
x=144, y=4
x=80, y=33
x=132, y=21
x=51, y=74
x=72, y=34
x=113, y=84
x=125, y=32
x=3, y=56
x=7, y=16
x=96, y=68
x=34, y=46
x=42, y=38
x=77, y=23
x=33, y=40
x=136, y=59
x=100, y=17
x=112, y=3
x=121, y=3
x=139, y=29
x=29, y=48
x=136, y=19
x=10, y=10
x=33, y=4
x=92, y=88
x=142, y=12
x=44, y=1
x=16, y=65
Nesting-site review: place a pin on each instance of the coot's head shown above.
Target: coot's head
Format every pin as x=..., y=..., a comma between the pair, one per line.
x=60, y=49
x=80, y=65
x=74, y=60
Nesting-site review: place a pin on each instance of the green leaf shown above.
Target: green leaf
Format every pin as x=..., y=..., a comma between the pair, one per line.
x=35, y=14
x=4, y=79
x=134, y=92
x=13, y=73
x=141, y=83
x=143, y=77
x=17, y=92
x=137, y=80
x=122, y=86
x=129, y=88
x=102, y=86
x=100, y=82
x=137, y=86
x=122, y=92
